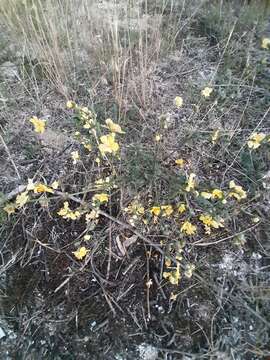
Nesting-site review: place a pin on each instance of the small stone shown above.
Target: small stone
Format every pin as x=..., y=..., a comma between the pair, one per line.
x=2, y=333
x=147, y=352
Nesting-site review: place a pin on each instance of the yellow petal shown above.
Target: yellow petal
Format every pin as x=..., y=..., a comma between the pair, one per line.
x=71, y=104
x=41, y=188
x=206, y=195
x=30, y=185
x=155, y=210
x=190, y=182
x=10, y=208
x=217, y=194
x=206, y=92
x=265, y=43
x=215, y=136
x=114, y=128
x=188, y=228
x=39, y=125
x=167, y=209
x=102, y=198
x=178, y=101
x=181, y=208
x=80, y=253
x=55, y=185
x=180, y=162
x=22, y=199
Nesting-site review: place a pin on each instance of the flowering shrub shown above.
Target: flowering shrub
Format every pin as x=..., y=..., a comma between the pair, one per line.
x=195, y=213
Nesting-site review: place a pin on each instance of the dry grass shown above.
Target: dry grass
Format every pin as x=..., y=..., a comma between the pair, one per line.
x=91, y=42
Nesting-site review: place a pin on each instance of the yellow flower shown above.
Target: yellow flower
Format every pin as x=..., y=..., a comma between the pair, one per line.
x=75, y=156
x=155, y=210
x=206, y=92
x=217, y=194
x=167, y=209
x=114, y=128
x=158, y=137
x=85, y=110
x=168, y=262
x=22, y=199
x=30, y=186
x=102, y=198
x=73, y=215
x=101, y=182
x=255, y=140
x=87, y=124
x=173, y=296
x=173, y=276
x=10, y=208
x=93, y=215
x=191, y=182
x=55, y=185
x=80, y=253
x=209, y=221
x=178, y=101
x=108, y=144
x=71, y=104
x=180, y=162
x=41, y=188
x=206, y=195
x=135, y=208
x=188, y=228
x=189, y=270
x=67, y=213
x=215, y=136
x=181, y=208
x=87, y=146
x=237, y=191
x=39, y=125
x=265, y=43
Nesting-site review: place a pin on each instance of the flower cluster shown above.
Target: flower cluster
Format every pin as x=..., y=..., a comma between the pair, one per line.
x=235, y=191
x=106, y=143
x=255, y=140
x=66, y=213
x=209, y=222
x=187, y=212
x=39, y=124
x=136, y=211
x=24, y=197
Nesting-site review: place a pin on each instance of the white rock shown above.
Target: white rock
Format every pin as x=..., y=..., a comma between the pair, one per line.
x=2, y=334
x=147, y=352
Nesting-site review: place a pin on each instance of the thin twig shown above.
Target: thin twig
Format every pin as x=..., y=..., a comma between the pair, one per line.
x=198, y=243
x=9, y=156
x=110, y=251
